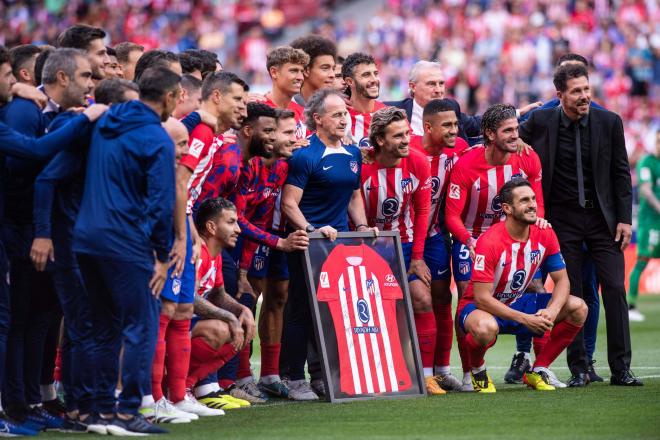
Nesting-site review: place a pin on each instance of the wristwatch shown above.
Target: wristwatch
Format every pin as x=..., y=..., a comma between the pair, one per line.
x=309, y=229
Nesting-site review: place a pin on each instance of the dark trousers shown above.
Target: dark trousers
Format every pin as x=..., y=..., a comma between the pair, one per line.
x=78, y=342
x=5, y=313
x=575, y=226
x=123, y=310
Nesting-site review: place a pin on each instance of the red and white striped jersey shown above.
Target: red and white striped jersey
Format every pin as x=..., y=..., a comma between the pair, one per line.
x=441, y=166
x=361, y=292
x=202, y=145
x=209, y=271
x=473, y=204
x=510, y=264
x=359, y=125
x=398, y=198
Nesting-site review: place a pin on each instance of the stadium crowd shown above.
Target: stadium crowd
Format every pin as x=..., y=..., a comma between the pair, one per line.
x=150, y=198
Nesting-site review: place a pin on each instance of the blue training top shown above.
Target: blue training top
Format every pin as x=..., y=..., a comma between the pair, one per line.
x=328, y=177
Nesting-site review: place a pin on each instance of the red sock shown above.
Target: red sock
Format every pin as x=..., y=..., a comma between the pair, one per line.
x=204, y=359
x=270, y=359
x=539, y=343
x=426, y=335
x=561, y=336
x=477, y=351
x=445, y=333
x=57, y=372
x=178, y=358
x=158, y=367
x=244, y=363
x=225, y=383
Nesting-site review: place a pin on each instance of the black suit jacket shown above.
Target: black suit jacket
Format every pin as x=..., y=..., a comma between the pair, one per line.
x=608, y=157
x=468, y=126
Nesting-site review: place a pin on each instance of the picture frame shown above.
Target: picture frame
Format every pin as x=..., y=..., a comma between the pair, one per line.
x=362, y=317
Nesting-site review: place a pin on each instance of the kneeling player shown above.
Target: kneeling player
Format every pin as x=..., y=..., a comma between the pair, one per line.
x=223, y=326
x=507, y=257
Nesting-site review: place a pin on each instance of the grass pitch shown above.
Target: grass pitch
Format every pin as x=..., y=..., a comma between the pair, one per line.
x=598, y=411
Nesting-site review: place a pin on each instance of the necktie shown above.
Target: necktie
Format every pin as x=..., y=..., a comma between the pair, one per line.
x=578, y=165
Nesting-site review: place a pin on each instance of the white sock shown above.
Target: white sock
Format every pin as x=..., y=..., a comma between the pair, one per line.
x=479, y=370
x=527, y=355
x=272, y=378
x=467, y=378
x=539, y=369
x=48, y=392
x=442, y=371
x=428, y=372
x=117, y=393
x=147, y=400
x=294, y=383
x=205, y=389
x=242, y=381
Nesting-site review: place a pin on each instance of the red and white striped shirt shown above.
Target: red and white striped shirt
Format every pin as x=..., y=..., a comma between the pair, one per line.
x=441, y=166
x=361, y=292
x=299, y=116
x=398, y=198
x=202, y=145
x=510, y=264
x=359, y=125
x=473, y=204
x=209, y=271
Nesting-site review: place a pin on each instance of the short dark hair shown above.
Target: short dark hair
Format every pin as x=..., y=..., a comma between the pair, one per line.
x=315, y=46
x=206, y=59
x=506, y=192
x=354, y=60
x=79, y=36
x=221, y=81
x=282, y=113
x=111, y=52
x=20, y=55
x=4, y=55
x=494, y=116
x=156, y=82
x=435, y=106
x=40, y=63
x=190, y=83
x=113, y=91
x=154, y=58
x=190, y=62
x=572, y=57
x=567, y=72
x=256, y=110
x=125, y=48
x=210, y=209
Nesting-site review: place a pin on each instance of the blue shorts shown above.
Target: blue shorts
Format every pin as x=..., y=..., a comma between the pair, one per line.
x=529, y=303
x=181, y=290
x=267, y=262
x=461, y=263
x=436, y=257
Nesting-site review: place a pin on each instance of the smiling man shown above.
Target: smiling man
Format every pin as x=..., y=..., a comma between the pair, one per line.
x=588, y=186
x=286, y=67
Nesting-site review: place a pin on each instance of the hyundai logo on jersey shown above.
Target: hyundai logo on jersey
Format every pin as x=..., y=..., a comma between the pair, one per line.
x=363, y=311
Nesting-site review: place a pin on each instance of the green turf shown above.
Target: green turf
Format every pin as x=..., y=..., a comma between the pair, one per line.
x=596, y=412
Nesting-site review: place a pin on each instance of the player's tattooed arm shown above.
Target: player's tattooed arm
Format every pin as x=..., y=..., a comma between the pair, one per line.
x=207, y=310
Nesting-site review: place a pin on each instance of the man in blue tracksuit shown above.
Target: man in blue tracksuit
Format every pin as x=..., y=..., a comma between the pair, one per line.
x=16, y=145
x=122, y=239
x=57, y=195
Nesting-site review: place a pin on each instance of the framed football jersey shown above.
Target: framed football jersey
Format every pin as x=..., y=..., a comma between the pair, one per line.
x=363, y=317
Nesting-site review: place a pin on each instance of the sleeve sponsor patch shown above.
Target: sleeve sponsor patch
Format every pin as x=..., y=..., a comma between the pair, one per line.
x=479, y=262
x=454, y=191
x=196, y=147
x=325, y=281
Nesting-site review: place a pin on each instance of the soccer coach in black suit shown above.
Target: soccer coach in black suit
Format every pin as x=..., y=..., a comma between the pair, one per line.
x=588, y=199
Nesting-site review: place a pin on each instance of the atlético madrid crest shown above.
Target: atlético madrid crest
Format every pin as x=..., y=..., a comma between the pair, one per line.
x=354, y=166
x=407, y=186
x=464, y=267
x=259, y=262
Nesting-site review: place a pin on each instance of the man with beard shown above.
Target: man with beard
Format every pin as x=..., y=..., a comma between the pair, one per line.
x=90, y=40
x=67, y=78
x=587, y=184
x=361, y=75
x=507, y=256
x=472, y=203
x=396, y=190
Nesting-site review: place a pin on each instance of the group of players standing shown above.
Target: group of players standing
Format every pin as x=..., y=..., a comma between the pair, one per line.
x=222, y=195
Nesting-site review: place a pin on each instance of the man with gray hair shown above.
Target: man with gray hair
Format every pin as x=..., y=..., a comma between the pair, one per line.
x=67, y=77
x=308, y=205
x=426, y=82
